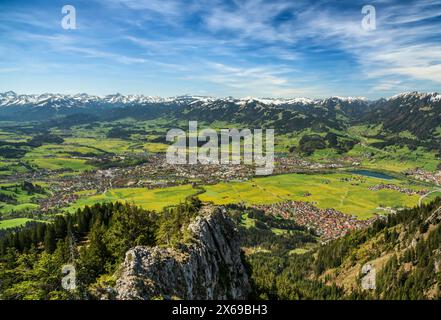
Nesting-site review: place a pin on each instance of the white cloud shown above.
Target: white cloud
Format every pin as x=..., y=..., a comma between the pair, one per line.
x=256, y=51
x=262, y=81
x=164, y=8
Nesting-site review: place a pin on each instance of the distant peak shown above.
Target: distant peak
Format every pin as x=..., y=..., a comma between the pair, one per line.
x=434, y=96
x=12, y=98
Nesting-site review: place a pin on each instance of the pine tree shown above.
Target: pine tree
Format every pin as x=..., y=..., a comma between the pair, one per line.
x=49, y=240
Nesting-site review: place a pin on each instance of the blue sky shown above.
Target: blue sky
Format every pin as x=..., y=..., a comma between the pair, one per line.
x=278, y=48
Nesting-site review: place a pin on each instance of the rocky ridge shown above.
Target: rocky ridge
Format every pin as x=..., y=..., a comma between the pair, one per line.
x=210, y=267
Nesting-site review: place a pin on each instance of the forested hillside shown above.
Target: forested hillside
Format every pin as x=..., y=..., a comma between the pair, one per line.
x=283, y=260
x=404, y=250
x=95, y=239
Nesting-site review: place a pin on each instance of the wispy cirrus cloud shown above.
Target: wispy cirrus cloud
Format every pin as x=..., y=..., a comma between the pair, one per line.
x=245, y=47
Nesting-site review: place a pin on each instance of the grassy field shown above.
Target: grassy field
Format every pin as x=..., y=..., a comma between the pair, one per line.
x=345, y=192
x=74, y=152
x=342, y=191
x=108, y=145
x=150, y=199
x=8, y=208
x=247, y=222
x=8, y=167
x=392, y=158
x=61, y=156
x=85, y=141
x=432, y=197
x=155, y=147
x=395, y=158
x=299, y=251
x=12, y=223
x=59, y=163
x=65, y=149
x=13, y=137
x=24, y=200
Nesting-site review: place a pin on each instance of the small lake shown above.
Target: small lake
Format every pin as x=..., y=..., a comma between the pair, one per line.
x=373, y=174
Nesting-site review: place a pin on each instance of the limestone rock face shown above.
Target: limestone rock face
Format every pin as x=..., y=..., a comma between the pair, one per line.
x=208, y=268
x=369, y=277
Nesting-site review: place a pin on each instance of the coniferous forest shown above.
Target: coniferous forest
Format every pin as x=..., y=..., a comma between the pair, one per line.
x=95, y=239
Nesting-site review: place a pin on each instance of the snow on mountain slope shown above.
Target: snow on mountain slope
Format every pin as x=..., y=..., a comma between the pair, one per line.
x=11, y=98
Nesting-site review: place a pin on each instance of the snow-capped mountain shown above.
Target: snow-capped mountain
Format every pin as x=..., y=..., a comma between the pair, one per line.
x=11, y=98
x=414, y=111
x=409, y=96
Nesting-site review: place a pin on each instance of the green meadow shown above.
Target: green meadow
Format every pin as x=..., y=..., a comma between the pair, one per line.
x=396, y=159
x=345, y=192
x=431, y=197
x=340, y=190
x=391, y=158
x=150, y=199
x=74, y=153
x=23, y=200
x=60, y=163
x=13, y=223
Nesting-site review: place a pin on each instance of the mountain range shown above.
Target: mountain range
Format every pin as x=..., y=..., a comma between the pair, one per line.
x=416, y=112
x=10, y=98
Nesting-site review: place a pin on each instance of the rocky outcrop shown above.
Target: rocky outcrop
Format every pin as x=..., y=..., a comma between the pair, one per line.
x=208, y=268
x=369, y=277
